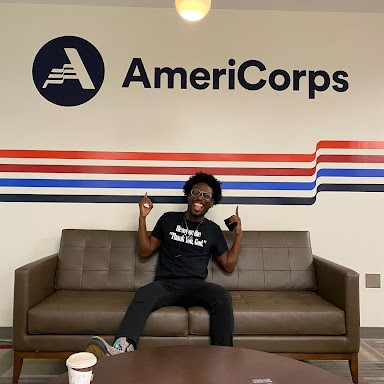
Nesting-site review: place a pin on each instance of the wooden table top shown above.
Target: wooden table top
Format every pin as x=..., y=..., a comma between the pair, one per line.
x=204, y=365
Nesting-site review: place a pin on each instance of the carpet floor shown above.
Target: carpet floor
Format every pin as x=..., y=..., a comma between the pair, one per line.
x=40, y=371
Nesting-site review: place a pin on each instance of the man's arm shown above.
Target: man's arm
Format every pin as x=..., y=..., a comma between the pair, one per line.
x=228, y=260
x=147, y=243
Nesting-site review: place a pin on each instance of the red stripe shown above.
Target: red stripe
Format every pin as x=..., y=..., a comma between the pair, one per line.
x=96, y=169
x=323, y=144
x=350, y=159
x=140, y=170
x=156, y=156
x=175, y=156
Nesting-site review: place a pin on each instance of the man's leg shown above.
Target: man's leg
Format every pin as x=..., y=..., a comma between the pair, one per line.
x=218, y=301
x=147, y=300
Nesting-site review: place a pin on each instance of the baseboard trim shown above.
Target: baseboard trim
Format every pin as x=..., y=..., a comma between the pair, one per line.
x=372, y=332
x=365, y=333
x=5, y=333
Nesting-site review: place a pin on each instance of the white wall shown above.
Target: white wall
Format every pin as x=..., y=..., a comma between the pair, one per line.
x=345, y=226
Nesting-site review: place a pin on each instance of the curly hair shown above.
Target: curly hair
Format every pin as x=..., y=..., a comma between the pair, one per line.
x=206, y=178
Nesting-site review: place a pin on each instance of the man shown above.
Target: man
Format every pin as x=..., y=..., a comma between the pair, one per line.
x=186, y=241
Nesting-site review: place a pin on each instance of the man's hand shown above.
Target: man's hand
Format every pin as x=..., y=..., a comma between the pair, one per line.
x=145, y=206
x=236, y=219
x=228, y=260
x=147, y=243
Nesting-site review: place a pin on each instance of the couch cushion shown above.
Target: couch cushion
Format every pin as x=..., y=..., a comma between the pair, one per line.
x=270, y=260
x=99, y=313
x=256, y=313
x=109, y=260
x=276, y=313
x=96, y=259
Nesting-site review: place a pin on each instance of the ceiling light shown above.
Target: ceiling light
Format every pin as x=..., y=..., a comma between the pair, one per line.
x=193, y=10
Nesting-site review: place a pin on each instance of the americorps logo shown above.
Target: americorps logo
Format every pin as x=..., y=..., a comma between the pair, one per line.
x=68, y=71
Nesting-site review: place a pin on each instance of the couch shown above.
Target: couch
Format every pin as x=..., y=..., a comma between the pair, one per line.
x=285, y=299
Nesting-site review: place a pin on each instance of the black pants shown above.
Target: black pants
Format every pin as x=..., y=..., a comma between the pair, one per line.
x=185, y=293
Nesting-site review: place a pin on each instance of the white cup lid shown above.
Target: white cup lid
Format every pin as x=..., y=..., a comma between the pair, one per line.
x=81, y=360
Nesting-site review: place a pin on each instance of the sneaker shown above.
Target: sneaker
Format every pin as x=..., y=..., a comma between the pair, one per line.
x=123, y=345
x=100, y=348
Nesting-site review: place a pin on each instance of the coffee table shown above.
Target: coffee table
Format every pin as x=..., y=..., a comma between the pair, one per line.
x=205, y=365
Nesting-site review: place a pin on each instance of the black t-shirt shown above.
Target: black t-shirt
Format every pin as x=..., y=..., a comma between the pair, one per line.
x=186, y=246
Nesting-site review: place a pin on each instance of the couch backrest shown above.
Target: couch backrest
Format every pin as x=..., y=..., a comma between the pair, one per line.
x=109, y=260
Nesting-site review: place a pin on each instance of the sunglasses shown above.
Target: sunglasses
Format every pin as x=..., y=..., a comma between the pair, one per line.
x=197, y=192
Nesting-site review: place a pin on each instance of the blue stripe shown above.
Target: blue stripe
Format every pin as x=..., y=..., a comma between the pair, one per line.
x=268, y=186
x=346, y=172
x=141, y=184
x=235, y=200
x=75, y=183
x=149, y=184
x=178, y=185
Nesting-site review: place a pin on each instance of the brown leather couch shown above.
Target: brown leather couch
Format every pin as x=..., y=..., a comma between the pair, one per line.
x=285, y=300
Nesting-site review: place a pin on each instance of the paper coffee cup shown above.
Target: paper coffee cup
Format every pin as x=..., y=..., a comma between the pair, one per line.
x=80, y=366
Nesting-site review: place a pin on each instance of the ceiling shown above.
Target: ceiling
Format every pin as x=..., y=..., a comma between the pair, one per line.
x=369, y=6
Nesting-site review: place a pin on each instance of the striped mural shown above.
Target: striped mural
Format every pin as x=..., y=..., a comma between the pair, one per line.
x=247, y=178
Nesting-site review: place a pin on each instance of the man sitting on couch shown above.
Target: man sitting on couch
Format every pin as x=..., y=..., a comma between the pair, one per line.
x=187, y=240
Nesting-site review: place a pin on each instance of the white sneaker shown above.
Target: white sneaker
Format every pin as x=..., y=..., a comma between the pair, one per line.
x=100, y=348
x=123, y=345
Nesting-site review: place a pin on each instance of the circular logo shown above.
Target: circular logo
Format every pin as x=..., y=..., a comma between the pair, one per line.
x=68, y=71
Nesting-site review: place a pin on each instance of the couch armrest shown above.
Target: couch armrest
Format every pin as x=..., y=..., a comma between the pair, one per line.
x=33, y=283
x=340, y=286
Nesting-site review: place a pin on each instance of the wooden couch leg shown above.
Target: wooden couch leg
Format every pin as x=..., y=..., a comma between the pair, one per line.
x=17, y=364
x=354, y=367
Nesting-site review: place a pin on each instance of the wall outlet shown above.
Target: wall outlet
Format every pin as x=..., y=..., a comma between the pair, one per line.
x=372, y=280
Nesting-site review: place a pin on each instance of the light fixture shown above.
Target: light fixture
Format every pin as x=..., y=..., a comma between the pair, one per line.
x=192, y=10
